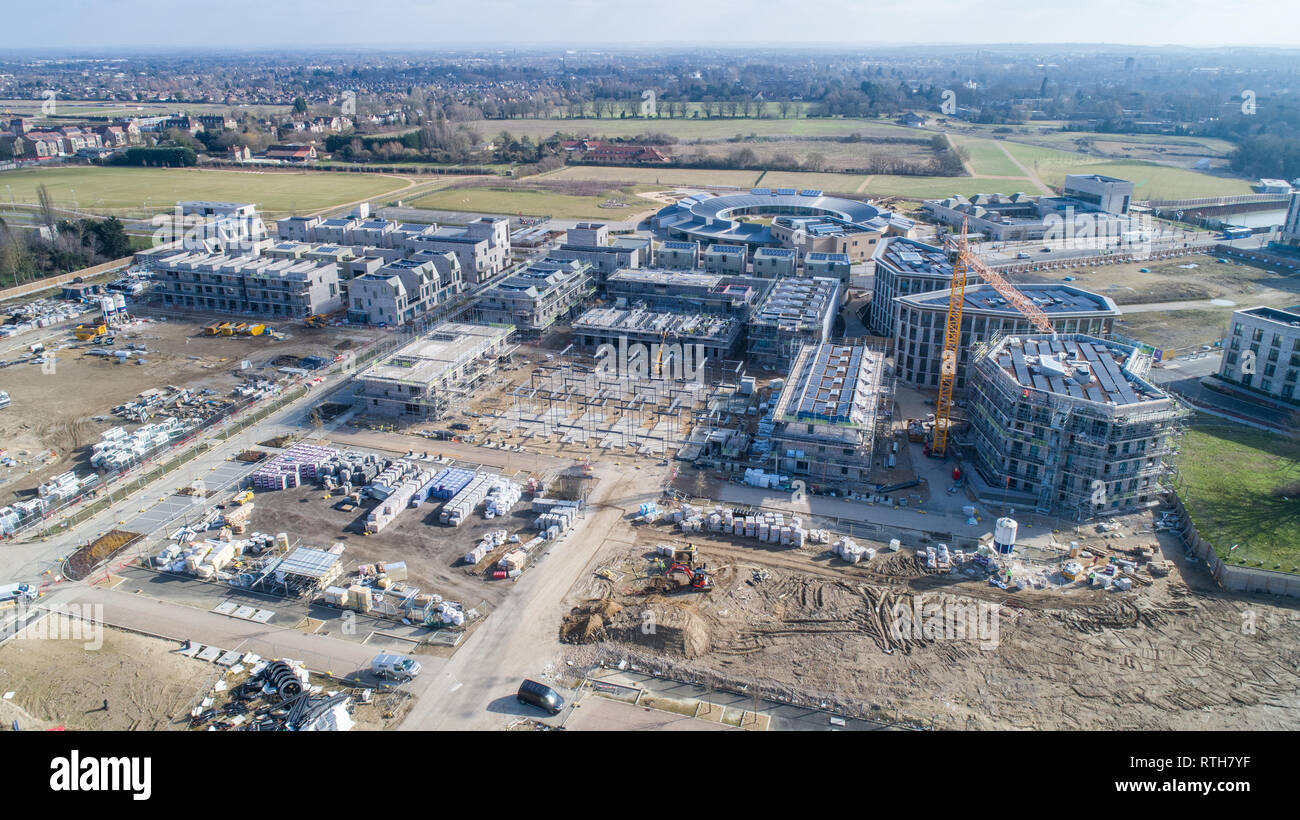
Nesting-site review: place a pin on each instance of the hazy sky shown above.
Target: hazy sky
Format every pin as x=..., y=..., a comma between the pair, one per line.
x=98, y=25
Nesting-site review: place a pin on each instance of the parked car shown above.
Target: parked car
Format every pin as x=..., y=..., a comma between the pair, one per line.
x=540, y=695
x=460, y=425
x=398, y=668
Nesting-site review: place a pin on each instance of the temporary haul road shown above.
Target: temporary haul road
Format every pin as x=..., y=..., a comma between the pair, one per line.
x=475, y=688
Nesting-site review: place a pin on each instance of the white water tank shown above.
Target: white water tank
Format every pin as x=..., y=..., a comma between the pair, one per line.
x=119, y=301
x=108, y=307
x=1004, y=535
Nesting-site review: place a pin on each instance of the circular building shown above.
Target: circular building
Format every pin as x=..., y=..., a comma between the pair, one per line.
x=807, y=220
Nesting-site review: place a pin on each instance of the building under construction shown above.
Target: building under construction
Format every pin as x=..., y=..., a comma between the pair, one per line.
x=797, y=312
x=713, y=336
x=577, y=400
x=1069, y=424
x=824, y=427
x=423, y=379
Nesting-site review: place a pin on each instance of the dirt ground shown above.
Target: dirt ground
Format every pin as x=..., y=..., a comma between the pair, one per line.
x=432, y=551
x=62, y=683
x=1177, y=654
x=64, y=411
x=1175, y=281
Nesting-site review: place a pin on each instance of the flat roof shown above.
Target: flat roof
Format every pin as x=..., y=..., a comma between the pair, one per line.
x=677, y=326
x=707, y=216
x=832, y=384
x=657, y=276
x=1284, y=315
x=913, y=257
x=308, y=562
x=1050, y=297
x=798, y=302
x=1022, y=358
x=441, y=350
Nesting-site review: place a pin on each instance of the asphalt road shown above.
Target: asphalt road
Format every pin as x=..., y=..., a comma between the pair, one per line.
x=476, y=688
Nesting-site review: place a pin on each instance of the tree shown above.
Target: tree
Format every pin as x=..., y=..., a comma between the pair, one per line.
x=299, y=105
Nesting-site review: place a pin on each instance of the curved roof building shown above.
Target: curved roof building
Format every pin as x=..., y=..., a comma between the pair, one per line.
x=715, y=218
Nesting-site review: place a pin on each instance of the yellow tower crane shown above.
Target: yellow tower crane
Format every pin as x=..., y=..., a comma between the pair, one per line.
x=965, y=263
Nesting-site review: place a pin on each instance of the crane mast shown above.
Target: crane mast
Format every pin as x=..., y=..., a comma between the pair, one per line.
x=965, y=263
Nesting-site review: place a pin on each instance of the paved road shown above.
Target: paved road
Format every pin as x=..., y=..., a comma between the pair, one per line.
x=476, y=688
x=123, y=608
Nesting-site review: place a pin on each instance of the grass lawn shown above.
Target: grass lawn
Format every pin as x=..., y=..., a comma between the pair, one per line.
x=696, y=129
x=1176, y=330
x=530, y=203
x=1242, y=486
x=666, y=177
x=805, y=180
x=940, y=187
x=987, y=158
x=144, y=191
x=1150, y=181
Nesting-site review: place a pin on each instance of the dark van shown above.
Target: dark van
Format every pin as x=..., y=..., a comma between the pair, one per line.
x=541, y=696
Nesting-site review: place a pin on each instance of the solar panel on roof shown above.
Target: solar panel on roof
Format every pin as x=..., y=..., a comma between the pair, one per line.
x=761, y=191
x=810, y=192
x=785, y=191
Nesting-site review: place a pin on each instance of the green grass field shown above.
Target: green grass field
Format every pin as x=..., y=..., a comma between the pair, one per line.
x=987, y=158
x=696, y=129
x=144, y=191
x=105, y=108
x=529, y=203
x=665, y=177
x=1242, y=486
x=940, y=187
x=1151, y=181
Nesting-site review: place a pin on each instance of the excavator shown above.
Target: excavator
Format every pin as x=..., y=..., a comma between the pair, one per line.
x=681, y=574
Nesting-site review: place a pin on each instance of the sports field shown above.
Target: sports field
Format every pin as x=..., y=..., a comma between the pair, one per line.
x=144, y=191
x=1242, y=487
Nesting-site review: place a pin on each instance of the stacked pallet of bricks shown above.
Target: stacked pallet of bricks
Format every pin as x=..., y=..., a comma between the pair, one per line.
x=448, y=482
x=490, y=542
x=409, y=482
x=463, y=503
x=769, y=528
x=558, y=520
x=502, y=498
x=299, y=463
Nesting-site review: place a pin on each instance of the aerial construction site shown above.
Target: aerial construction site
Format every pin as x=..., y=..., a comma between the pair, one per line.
x=711, y=496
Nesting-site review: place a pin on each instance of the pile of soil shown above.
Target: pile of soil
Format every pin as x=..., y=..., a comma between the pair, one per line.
x=586, y=623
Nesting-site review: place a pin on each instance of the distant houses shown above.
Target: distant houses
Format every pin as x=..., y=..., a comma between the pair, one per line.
x=588, y=150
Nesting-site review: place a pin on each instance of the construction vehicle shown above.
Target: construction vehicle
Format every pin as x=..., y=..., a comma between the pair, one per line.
x=316, y=320
x=682, y=574
x=253, y=330
x=240, y=329
x=17, y=592
x=228, y=329
x=243, y=498
x=964, y=262
x=215, y=329
x=85, y=333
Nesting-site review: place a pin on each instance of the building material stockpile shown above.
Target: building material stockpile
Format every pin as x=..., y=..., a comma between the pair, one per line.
x=299, y=463
x=769, y=528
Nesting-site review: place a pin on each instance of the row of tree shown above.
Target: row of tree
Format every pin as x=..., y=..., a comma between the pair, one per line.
x=68, y=245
